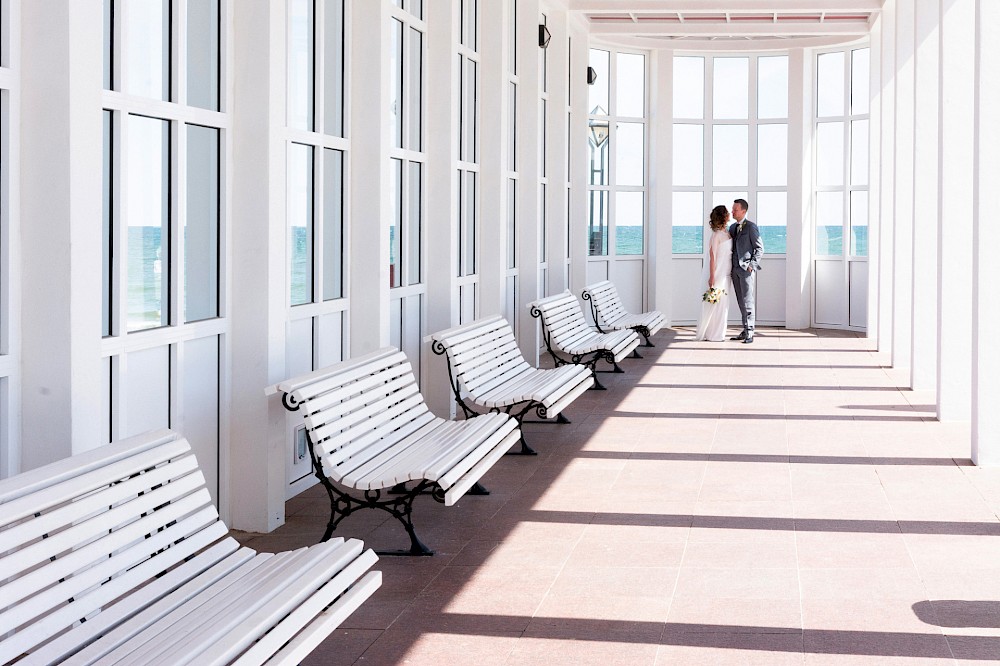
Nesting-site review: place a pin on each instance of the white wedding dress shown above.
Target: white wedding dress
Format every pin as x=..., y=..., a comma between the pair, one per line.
x=712, y=323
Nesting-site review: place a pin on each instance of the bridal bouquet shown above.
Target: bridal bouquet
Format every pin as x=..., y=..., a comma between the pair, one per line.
x=713, y=295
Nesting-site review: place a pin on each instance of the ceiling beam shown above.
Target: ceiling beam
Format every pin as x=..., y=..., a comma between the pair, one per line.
x=722, y=29
x=723, y=6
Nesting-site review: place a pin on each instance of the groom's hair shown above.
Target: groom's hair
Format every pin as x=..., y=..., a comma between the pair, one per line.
x=743, y=203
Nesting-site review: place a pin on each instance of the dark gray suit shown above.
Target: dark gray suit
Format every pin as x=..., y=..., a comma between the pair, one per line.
x=748, y=249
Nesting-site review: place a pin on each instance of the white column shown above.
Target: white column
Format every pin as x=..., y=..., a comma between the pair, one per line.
x=579, y=207
x=558, y=53
x=259, y=276
x=986, y=314
x=661, y=179
x=902, y=277
x=923, y=358
x=874, y=181
x=887, y=182
x=798, y=250
x=61, y=204
x=958, y=30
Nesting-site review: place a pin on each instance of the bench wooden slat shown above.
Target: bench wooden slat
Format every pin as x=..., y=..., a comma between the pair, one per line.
x=611, y=314
x=567, y=330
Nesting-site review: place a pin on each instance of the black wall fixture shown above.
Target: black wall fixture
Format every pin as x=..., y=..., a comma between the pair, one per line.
x=591, y=76
x=544, y=36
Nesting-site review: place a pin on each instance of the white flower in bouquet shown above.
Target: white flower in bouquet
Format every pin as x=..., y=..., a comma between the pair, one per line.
x=713, y=295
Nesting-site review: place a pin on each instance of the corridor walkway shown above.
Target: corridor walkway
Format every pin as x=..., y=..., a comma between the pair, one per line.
x=781, y=502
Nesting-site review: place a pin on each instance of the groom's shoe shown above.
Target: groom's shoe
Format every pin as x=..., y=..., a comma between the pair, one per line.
x=741, y=336
x=747, y=340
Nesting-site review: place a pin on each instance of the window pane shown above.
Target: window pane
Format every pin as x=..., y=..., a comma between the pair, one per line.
x=203, y=54
x=511, y=223
x=201, y=228
x=689, y=87
x=859, y=152
x=771, y=217
x=333, y=224
x=631, y=85
x=544, y=110
x=689, y=220
x=726, y=198
x=396, y=224
x=599, y=142
x=414, y=225
x=301, y=53
x=689, y=155
x=772, y=155
x=829, y=223
x=148, y=221
x=300, y=221
x=396, y=69
x=601, y=62
x=830, y=84
x=147, y=34
x=469, y=237
x=543, y=227
x=860, y=74
x=415, y=7
x=415, y=97
x=512, y=127
x=106, y=247
x=730, y=155
x=512, y=36
x=630, y=155
x=830, y=154
x=772, y=87
x=333, y=67
x=109, y=44
x=731, y=88
x=471, y=117
x=629, y=216
x=597, y=230
x=859, y=224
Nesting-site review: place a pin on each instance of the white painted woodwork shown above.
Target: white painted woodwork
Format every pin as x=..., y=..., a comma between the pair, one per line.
x=612, y=314
x=568, y=332
x=902, y=178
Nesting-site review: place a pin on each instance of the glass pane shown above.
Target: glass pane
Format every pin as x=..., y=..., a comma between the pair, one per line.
x=829, y=223
x=597, y=228
x=630, y=155
x=859, y=152
x=333, y=67
x=148, y=222
x=830, y=84
x=512, y=37
x=201, y=227
x=469, y=237
x=543, y=61
x=109, y=44
x=689, y=87
x=629, y=216
x=731, y=88
x=414, y=223
x=601, y=62
x=147, y=35
x=544, y=111
x=599, y=142
x=512, y=127
x=511, y=223
x=859, y=224
x=415, y=96
x=772, y=219
x=471, y=119
x=631, y=85
x=772, y=155
x=772, y=87
x=689, y=220
x=396, y=92
x=730, y=155
x=301, y=52
x=300, y=221
x=830, y=154
x=106, y=247
x=689, y=155
x=396, y=224
x=860, y=73
x=415, y=7
x=333, y=224
x=726, y=198
x=203, y=54
x=543, y=209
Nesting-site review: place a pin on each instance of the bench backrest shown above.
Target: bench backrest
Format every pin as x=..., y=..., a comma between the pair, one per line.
x=79, y=533
x=563, y=319
x=606, y=304
x=357, y=410
x=482, y=354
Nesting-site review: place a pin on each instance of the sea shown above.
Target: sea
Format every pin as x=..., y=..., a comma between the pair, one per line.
x=829, y=240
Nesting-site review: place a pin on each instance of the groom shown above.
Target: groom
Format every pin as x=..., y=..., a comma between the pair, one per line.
x=747, y=252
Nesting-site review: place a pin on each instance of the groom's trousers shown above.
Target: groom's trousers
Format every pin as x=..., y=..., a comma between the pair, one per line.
x=746, y=288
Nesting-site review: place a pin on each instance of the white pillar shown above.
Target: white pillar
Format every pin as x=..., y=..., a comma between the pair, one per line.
x=986, y=314
x=902, y=287
x=60, y=222
x=958, y=31
x=661, y=179
x=798, y=245
x=923, y=358
x=874, y=182
x=887, y=183
x=557, y=141
x=579, y=207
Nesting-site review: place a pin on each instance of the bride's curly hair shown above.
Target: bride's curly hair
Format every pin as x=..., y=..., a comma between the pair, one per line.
x=718, y=218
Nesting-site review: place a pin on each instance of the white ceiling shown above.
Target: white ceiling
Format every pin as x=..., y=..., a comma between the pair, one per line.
x=727, y=24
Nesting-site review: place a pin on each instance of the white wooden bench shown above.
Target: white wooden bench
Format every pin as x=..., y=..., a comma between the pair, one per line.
x=369, y=430
x=566, y=331
x=487, y=370
x=610, y=314
x=118, y=556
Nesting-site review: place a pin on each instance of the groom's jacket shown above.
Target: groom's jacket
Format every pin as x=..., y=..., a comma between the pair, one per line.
x=748, y=248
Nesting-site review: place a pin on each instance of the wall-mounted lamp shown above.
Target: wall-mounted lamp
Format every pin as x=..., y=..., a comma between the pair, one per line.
x=544, y=36
x=591, y=76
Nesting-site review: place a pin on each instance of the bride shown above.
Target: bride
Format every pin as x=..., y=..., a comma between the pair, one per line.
x=719, y=265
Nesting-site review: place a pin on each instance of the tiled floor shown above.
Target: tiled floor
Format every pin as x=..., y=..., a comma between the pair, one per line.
x=719, y=503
